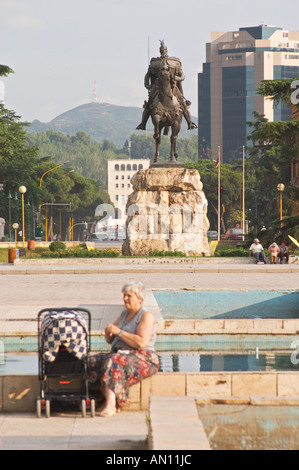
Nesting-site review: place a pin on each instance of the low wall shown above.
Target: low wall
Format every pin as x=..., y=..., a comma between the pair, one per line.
x=18, y=393
x=229, y=326
x=177, y=335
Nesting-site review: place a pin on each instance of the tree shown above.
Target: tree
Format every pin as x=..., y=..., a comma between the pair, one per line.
x=231, y=183
x=22, y=163
x=5, y=70
x=67, y=195
x=280, y=90
x=276, y=144
x=87, y=157
x=17, y=159
x=143, y=146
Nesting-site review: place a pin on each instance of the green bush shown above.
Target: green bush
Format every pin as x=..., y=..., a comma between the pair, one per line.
x=57, y=246
x=79, y=253
x=232, y=252
x=175, y=253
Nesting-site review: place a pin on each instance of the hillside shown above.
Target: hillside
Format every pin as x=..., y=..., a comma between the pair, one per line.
x=102, y=121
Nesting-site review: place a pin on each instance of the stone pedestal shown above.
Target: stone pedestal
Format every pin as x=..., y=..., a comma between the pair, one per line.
x=167, y=211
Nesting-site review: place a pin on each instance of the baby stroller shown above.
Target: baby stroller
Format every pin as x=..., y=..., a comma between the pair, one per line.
x=63, y=346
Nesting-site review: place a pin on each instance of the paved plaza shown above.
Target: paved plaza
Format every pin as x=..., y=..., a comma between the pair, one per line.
x=126, y=431
x=98, y=288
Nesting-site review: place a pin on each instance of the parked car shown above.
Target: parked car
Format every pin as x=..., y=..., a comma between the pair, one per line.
x=212, y=235
x=233, y=234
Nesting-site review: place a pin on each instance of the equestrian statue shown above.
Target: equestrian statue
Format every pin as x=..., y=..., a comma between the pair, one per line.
x=166, y=103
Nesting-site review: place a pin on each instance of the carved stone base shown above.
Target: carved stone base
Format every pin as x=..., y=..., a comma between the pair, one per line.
x=167, y=211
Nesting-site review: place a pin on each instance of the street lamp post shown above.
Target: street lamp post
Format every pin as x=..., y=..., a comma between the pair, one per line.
x=9, y=216
x=22, y=190
x=15, y=227
x=280, y=188
x=243, y=198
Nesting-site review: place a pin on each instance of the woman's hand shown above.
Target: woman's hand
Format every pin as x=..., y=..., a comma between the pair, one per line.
x=111, y=331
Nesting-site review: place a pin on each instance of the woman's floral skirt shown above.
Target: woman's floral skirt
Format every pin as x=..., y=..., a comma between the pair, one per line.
x=121, y=369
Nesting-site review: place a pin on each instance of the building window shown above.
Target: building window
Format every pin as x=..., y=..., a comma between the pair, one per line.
x=281, y=44
x=116, y=168
x=117, y=197
x=140, y=167
x=233, y=57
x=129, y=185
x=122, y=185
x=129, y=177
x=123, y=168
x=116, y=177
x=116, y=185
x=134, y=167
x=129, y=167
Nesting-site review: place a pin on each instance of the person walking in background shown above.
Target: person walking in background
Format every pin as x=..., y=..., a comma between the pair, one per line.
x=257, y=251
x=273, y=252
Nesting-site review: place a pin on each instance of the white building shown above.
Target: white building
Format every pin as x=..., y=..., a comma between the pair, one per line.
x=120, y=173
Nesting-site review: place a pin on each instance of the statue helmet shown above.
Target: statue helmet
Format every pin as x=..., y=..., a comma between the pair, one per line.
x=163, y=48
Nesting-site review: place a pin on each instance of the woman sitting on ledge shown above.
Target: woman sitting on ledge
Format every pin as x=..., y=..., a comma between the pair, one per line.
x=132, y=357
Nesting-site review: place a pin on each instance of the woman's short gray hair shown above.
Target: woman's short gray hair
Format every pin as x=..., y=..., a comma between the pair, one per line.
x=134, y=286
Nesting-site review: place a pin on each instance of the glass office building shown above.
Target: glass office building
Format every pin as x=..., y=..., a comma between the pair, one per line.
x=236, y=63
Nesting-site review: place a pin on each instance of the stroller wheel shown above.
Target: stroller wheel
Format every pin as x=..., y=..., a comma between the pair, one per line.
x=48, y=409
x=83, y=408
x=38, y=408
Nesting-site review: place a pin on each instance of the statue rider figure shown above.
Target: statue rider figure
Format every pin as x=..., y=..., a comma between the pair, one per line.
x=151, y=83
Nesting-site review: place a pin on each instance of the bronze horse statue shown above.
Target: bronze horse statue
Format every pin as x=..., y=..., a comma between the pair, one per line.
x=166, y=103
x=166, y=112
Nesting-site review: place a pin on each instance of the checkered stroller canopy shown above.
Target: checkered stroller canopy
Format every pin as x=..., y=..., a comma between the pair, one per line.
x=68, y=329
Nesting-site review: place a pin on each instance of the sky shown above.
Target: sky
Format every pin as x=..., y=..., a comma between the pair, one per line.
x=58, y=49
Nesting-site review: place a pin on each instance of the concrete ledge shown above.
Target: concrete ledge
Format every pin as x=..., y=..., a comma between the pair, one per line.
x=124, y=269
x=200, y=327
x=135, y=261
x=175, y=425
x=238, y=326
x=249, y=400
x=18, y=393
x=142, y=265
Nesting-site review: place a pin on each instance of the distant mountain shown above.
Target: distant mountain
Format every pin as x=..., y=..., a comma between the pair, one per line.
x=101, y=121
